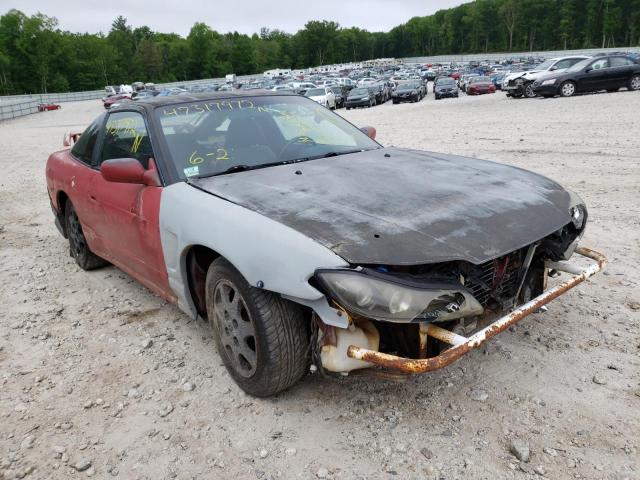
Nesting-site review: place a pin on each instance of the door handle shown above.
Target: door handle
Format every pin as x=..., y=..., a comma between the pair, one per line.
x=92, y=198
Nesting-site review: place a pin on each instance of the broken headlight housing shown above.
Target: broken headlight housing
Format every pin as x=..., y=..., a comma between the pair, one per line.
x=381, y=297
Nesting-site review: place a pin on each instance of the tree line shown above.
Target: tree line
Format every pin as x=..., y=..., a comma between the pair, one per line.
x=37, y=56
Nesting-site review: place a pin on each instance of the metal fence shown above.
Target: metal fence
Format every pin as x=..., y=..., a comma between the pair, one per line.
x=16, y=109
x=495, y=57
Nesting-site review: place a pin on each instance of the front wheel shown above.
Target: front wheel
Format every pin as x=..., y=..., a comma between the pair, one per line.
x=528, y=91
x=567, y=89
x=261, y=338
x=634, y=83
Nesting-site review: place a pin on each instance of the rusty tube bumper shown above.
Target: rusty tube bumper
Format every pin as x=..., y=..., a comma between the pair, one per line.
x=462, y=345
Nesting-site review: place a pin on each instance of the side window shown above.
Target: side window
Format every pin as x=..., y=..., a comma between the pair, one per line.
x=620, y=62
x=599, y=64
x=83, y=148
x=564, y=63
x=126, y=136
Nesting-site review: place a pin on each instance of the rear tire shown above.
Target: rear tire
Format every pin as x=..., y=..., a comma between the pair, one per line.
x=78, y=246
x=261, y=338
x=567, y=89
x=634, y=83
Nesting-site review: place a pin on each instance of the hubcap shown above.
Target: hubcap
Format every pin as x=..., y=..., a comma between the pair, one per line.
x=635, y=83
x=76, y=238
x=235, y=326
x=568, y=89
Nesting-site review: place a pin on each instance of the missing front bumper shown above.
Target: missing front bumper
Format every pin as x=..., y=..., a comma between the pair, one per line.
x=462, y=345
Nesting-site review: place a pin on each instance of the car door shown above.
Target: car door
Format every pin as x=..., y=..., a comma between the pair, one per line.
x=595, y=76
x=129, y=213
x=620, y=71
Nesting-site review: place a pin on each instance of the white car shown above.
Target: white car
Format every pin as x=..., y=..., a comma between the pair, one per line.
x=367, y=81
x=322, y=95
x=510, y=86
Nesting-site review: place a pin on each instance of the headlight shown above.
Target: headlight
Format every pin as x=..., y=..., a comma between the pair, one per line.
x=370, y=295
x=578, y=215
x=414, y=92
x=549, y=82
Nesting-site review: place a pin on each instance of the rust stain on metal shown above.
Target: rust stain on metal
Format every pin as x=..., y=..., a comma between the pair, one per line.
x=454, y=353
x=423, y=337
x=445, y=336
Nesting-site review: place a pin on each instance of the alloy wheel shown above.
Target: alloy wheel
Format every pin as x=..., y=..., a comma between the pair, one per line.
x=568, y=89
x=76, y=237
x=236, y=328
x=635, y=83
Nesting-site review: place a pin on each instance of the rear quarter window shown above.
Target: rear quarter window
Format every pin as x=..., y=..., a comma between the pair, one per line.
x=83, y=148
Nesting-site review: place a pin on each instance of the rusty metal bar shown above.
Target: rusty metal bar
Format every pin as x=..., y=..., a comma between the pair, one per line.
x=446, y=336
x=454, y=353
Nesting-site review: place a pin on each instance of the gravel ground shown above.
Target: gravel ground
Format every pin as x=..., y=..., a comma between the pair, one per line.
x=98, y=377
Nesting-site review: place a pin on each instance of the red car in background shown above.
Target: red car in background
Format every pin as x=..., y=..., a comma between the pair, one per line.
x=109, y=101
x=480, y=85
x=43, y=107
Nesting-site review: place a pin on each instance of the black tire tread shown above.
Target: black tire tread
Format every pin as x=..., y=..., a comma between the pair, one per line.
x=90, y=261
x=280, y=327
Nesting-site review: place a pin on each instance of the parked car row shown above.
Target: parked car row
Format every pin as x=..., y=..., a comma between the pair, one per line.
x=567, y=76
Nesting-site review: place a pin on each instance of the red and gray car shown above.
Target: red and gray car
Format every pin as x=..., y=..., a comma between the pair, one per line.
x=305, y=243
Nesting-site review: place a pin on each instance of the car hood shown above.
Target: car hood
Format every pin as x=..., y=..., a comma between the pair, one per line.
x=407, y=208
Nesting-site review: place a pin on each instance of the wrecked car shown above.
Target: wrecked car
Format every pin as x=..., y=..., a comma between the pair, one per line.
x=304, y=242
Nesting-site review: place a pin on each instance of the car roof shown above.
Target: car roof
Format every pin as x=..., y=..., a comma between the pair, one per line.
x=157, y=101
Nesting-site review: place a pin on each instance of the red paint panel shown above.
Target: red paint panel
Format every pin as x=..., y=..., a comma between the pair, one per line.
x=121, y=221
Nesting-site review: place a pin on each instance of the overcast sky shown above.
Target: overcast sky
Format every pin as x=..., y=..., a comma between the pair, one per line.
x=245, y=16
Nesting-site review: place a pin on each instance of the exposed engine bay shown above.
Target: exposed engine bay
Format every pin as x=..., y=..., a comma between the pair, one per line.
x=464, y=299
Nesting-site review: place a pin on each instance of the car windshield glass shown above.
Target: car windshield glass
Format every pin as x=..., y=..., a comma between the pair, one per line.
x=359, y=92
x=479, y=79
x=211, y=137
x=545, y=65
x=315, y=92
x=445, y=81
x=580, y=65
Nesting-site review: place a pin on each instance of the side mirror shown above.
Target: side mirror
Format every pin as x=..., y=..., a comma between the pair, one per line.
x=553, y=68
x=588, y=69
x=129, y=170
x=370, y=131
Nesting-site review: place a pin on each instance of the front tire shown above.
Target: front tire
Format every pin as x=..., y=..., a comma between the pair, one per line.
x=528, y=91
x=261, y=338
x=634, y=83
x=78, y=246
x=567, y=89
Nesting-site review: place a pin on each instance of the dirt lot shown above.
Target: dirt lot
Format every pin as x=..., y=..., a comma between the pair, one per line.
x=101, y=378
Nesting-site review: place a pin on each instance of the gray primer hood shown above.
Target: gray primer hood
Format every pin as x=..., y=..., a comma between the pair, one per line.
x=410, y=208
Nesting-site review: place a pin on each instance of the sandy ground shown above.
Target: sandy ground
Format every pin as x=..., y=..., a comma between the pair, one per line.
x=98, y=377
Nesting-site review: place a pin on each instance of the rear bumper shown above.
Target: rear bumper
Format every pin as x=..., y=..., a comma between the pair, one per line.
x=462, y=345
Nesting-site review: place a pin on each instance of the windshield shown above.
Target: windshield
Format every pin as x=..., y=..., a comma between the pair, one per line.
x=407, y=86
x=358, y=92
x=445, y=81
x=210, y=137
x=479, y=79
x=545, y=65
x=315, y=92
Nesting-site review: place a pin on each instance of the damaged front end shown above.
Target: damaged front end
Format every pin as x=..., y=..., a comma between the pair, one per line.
x=422, y=318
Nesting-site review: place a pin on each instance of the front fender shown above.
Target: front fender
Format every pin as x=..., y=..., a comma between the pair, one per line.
x=264, y=251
